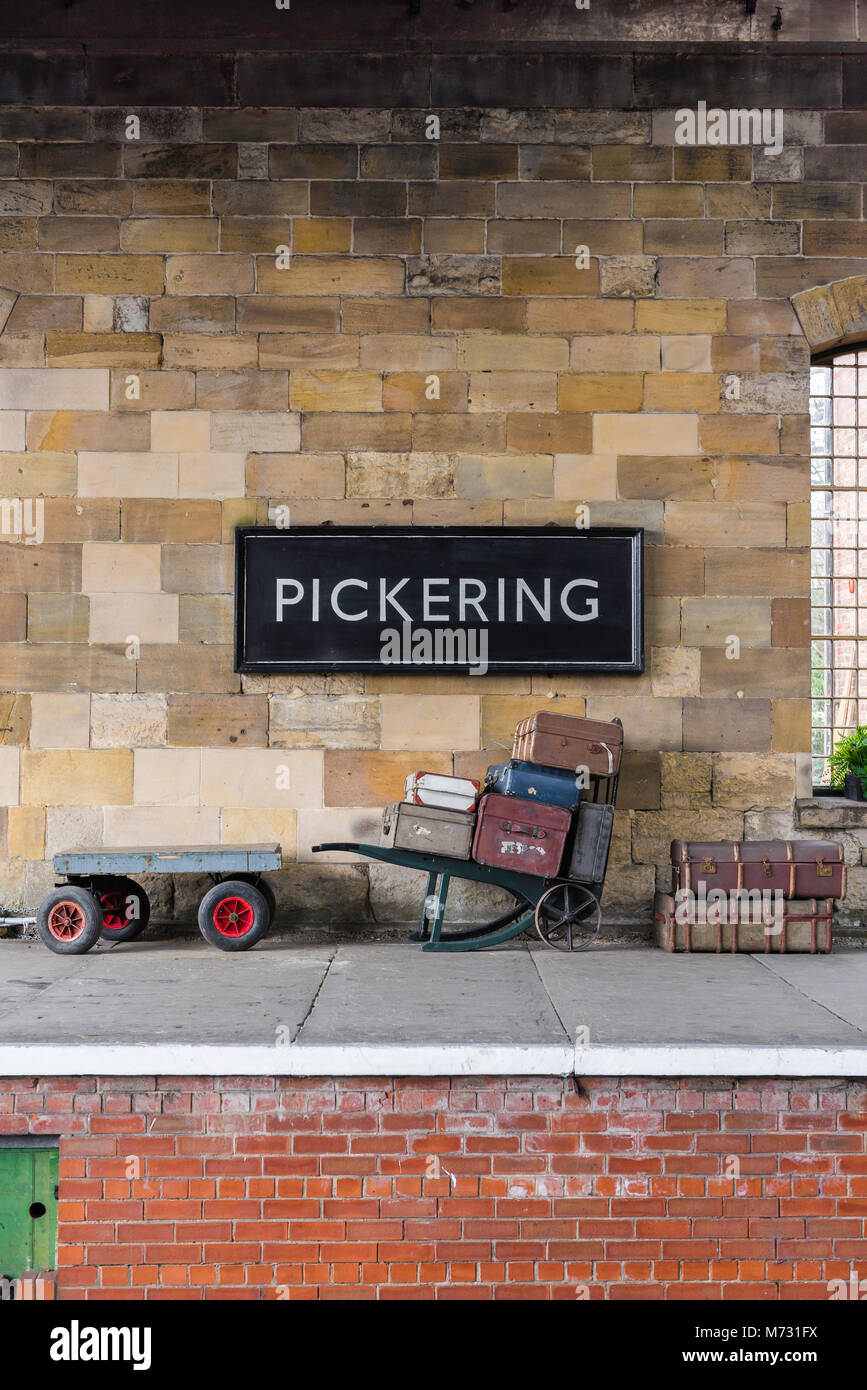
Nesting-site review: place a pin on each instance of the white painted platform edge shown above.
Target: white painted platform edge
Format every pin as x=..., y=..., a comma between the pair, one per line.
x=386, y=1060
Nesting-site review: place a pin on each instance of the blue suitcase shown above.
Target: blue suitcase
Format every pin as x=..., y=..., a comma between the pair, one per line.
x=551, y=785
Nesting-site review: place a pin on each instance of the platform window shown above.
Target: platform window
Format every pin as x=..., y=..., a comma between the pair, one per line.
x=838, y=447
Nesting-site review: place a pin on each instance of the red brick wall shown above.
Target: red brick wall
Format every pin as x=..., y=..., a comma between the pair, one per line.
x=256, y=1187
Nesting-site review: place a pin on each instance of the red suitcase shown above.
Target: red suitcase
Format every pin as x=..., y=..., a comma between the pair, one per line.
x=796, y=868
x=567, y=741
x=526, y=836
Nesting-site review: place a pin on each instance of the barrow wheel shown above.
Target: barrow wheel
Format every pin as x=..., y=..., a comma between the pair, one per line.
x=125, y=907
x=264, y=888
x=69, y=920
x=568, y=917
x=233, y=915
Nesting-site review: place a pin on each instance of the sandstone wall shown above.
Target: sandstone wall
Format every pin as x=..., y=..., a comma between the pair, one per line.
x=606, y=386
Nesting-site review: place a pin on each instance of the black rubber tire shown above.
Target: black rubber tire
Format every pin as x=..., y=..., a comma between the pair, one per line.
x=83, y=920
x=234, y=897
x=264, y=888
x=124, y=888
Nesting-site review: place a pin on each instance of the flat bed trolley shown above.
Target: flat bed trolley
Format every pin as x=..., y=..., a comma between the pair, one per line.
x=101, y=899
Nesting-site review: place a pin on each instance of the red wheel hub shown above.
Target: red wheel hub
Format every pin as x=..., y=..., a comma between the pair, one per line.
x=66, y=921
x=113, y=906
x=233, y=917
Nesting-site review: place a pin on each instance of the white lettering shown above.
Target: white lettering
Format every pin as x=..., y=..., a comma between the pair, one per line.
x=386, y=596
x=335, y=593
x=592, y=610
x=282, y=600
x=429, y=598
x=465, y=602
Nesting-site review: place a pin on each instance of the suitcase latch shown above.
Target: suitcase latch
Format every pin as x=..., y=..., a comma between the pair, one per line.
x=822, y=869
x=767, y=866
x=708, y=865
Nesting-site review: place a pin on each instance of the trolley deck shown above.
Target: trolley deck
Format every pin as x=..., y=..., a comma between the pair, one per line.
x=100, y=899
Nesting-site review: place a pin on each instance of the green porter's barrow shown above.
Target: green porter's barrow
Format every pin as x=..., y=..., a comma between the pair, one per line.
x=565, y=911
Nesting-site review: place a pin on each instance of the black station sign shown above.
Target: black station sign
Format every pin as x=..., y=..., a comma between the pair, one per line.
x=465, y=599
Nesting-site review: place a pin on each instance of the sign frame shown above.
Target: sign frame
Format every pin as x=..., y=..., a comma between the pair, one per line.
x=634, y=535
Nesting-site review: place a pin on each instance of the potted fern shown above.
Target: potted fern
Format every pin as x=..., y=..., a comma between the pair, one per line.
x=848, y=764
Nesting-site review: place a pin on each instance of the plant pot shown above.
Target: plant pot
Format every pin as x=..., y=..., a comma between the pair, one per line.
x=853, y=789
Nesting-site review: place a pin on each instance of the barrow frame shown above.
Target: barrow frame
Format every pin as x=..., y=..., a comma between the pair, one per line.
x=526, y=889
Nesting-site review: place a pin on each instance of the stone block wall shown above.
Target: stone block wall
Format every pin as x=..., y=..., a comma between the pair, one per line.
x=163, y=380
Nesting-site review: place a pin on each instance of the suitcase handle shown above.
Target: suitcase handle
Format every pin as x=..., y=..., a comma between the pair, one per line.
x=512, y=829
x=598, y=748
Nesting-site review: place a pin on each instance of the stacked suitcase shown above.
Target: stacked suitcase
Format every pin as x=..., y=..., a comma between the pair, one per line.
x=532, y=814
x=764, y=895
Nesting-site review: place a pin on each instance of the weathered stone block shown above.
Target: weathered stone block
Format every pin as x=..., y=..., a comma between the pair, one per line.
x=329, y=390
x=628, y=277
x=645, y=434
x=675, y=671
x=499, y=391
x=10, y=765
x=184, y=667
x=653, y=831
x=99, y=274
x=167, y=776
x=745, y=781
x=217, y=721
x=211, y=474
x=208, y=618
x=686, y=779
x=13, y=617
x=399, y=475
x=790, y=725
x=195, y=521
x=299, y=720
x=543, y=275
x=127, y=721
x=161, y=825
x=255, y=431
x=26, y=832
x=361, y=778
x=242, y=826
x=261, y=778
x=60, y=721
x=55, y=618
x=452, y=275
x=504, y=475
x=76, y=777
x=766, y=572
x=116, y=618
x=608, y=391
x=127, y=475
x=739, y=725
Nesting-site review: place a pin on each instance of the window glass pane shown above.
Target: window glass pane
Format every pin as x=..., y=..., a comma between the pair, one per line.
x=838, y=560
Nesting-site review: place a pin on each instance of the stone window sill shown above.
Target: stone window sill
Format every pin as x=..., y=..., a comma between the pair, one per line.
x=830, y=813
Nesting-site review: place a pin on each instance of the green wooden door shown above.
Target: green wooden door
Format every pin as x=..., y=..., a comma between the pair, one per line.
x=28, y=1210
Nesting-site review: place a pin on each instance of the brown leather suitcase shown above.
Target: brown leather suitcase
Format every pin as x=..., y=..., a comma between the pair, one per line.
x=568, y=741
x=802, y=925
x=526, y=836
x=796, y=868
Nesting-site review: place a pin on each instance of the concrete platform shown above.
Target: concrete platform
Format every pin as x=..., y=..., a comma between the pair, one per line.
x=375, y=1009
